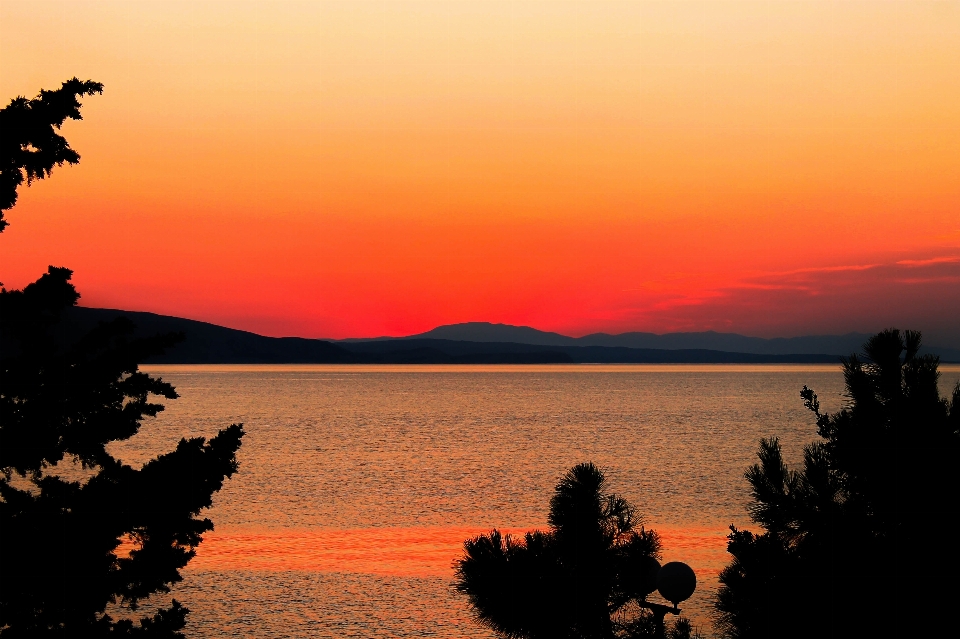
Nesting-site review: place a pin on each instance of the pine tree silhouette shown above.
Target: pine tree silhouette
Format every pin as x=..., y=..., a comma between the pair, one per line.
x=29, y=146
x=581, y=579
x=61, y=406
x=859, y=541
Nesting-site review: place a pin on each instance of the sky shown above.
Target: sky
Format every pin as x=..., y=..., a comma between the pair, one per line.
x=362, y=168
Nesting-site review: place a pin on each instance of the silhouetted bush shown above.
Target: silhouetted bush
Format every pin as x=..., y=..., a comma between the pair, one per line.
x=66, y=504
x=860, y=542
x=580, y=579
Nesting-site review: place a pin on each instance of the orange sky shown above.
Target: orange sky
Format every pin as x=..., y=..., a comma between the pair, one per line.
x=355, y=168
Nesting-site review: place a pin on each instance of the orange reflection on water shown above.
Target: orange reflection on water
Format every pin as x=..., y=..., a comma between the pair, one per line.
x=414, y=551
x=404, y=552
x=705, y=549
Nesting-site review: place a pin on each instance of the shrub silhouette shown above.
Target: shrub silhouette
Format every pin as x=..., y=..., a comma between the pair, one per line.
x=66, y=504
x=576, y=580
x=866, y=525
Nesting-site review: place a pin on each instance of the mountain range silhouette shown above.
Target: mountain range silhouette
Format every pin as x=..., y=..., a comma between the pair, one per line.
x=473, y=343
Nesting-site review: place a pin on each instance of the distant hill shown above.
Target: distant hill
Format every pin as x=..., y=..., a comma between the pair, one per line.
x=578, y=354
x=839, y=345
x=211, y=344
x=709, y=340
x=206, y=343
x=487, y=332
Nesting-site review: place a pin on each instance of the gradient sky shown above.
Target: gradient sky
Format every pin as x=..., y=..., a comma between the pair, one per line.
x=359, y=168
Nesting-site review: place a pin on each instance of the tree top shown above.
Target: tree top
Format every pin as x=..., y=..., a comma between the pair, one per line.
x=29, y=145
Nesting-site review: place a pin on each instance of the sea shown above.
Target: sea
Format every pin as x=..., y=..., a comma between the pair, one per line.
x=359, y=484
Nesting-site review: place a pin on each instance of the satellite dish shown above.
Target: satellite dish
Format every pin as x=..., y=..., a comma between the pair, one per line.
x=676, y=581
x=646, y=575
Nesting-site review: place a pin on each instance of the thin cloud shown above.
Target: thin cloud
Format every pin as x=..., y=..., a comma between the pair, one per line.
x=917, y=293
x=936, y=260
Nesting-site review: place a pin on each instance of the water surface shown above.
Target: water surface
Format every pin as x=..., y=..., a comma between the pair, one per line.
x=357, y=485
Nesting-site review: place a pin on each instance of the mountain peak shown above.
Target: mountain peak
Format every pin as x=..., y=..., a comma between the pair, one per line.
x=490, y=332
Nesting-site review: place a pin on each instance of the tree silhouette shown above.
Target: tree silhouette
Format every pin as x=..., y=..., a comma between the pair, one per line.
x=576, y=580
x=66, y=504
x=867, y=524
x=29, y=146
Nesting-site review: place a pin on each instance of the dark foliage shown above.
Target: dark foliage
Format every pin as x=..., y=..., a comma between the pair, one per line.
x=577, y=579
x=66, y=504
x=29, y=145
x=859, y=541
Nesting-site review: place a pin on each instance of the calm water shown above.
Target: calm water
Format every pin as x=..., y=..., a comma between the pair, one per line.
x=357, y=485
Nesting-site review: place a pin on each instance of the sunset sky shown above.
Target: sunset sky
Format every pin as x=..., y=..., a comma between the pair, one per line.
x=361, y=168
